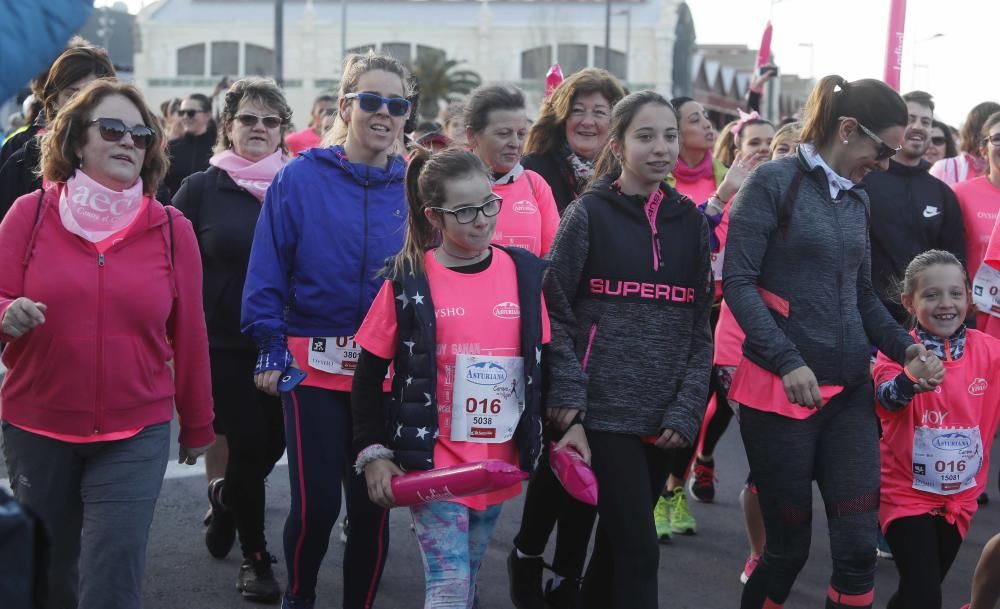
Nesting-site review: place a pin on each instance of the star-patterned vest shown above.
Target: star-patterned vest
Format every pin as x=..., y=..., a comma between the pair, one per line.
x=411, y=415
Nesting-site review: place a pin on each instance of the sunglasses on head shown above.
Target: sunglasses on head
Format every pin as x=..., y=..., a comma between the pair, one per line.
x=938, y=141
x=113, y=130
x=993, y=139
x=189, y=113
x=251, y=120
x=884, y=151
x=468, y=213
x=370, y=102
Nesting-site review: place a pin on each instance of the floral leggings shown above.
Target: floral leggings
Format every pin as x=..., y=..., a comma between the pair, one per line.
x=453, y=539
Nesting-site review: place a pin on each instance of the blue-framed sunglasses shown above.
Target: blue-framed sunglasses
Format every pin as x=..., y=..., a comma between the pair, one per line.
x=370, y=102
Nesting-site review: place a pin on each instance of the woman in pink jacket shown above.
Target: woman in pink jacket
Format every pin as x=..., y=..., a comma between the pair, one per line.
x=100, y=289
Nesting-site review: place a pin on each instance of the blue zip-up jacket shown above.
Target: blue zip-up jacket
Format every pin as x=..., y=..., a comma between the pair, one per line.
x=326, y=229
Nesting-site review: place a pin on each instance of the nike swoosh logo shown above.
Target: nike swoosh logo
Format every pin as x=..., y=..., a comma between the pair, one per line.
x=930, y=212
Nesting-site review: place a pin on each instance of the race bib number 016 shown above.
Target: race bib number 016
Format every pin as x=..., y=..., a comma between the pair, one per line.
x=946, y=461
x=488, y=399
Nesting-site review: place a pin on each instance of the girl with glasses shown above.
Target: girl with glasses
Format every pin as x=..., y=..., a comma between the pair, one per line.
x=223, y=203
x=330, y=219
x=104, y=290
x=496, y=128
x=969, y=162
x=797, y=279
x=451, y=304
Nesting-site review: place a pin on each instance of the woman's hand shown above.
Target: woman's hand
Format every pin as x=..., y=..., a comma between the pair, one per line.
x=22, y=315
x=670, y=439
x=560, y=418
x=378, y=478
x=190, y=455
x=267, y=381
x=802, y=388
x=576, y=437
x=742, y=165
x=927, y=369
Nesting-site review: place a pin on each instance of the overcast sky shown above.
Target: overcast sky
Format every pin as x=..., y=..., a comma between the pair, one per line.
x=849, y=38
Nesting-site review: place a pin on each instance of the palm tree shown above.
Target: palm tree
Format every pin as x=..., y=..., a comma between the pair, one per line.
x=440, y=81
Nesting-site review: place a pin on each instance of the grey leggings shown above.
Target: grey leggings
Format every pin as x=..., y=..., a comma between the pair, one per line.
x=838, y=448
x=96, y=503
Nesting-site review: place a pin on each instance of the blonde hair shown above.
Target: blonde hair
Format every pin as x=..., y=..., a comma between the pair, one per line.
x=355, y=66
x=792, y=132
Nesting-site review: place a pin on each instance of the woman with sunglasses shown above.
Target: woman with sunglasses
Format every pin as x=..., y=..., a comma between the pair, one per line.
x=106, y=291
x=330, y=219
x=979, y=199
x=797, y=279
x=223, y=203
x=190, y=152
x=942, y=143
x=496, y=128
x=969, y=163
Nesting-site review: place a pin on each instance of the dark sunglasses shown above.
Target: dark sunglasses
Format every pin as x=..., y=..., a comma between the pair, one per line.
x=468, y=213
x=370, y=102
x=113, y=130
x=993, y=139
x=251, y=120
x=190, y=113
x=884, y=151
x=938, y=141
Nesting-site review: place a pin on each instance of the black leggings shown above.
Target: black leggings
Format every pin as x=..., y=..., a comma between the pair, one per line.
x=546, y=503
x=923, y=548
x=253, y=425
x=623, y=569
x=680, y=458
x=837, y=447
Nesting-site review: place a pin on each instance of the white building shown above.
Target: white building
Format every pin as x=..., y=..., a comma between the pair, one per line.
x=186, y=46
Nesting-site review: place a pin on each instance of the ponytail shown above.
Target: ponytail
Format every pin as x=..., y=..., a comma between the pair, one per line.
x=427, y=175
x=872, y=102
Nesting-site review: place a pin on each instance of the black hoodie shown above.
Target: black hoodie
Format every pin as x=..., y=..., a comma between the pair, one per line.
x=629, y=293
x=911, y=212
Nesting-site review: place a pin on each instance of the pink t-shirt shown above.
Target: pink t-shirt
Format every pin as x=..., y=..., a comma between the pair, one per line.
x=698, y=190
x=464, y=305
x=298, y=346
x=979, y=200
x=729, y=338
x=301, y=141
x=967, y=398
x=529, y=217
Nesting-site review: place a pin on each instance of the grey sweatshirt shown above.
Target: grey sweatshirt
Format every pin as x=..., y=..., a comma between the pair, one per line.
x=812, y=252
x=629, y=300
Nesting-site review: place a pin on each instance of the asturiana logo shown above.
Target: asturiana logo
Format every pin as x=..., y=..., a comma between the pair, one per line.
x=952, y=442
x=978, y=387
x=507, y=310
x=485, y=373
x=525, y=207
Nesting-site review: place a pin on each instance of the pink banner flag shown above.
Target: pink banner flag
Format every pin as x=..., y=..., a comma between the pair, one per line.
x=894, y=44
x=764, y=54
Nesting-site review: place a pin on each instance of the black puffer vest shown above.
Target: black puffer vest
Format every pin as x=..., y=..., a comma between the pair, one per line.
x=411, y=416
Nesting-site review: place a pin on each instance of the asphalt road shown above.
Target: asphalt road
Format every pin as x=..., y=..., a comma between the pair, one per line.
x=697, y=572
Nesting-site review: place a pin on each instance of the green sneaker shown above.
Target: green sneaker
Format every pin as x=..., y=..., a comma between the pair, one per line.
x=661, y=518
x=681, y=520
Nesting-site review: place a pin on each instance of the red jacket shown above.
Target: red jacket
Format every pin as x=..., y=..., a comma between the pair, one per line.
x=99, y=362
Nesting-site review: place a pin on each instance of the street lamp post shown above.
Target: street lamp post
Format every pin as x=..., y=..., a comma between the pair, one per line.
x=607, y=34
x=279, y=42
x=343, y=29
x=627, y=12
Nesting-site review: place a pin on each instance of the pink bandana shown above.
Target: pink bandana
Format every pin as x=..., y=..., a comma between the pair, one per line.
x=96, y=212
x=255, y=178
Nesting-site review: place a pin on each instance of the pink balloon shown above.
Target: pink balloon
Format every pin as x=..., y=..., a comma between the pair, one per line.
x=455, y=481
x=573, y=473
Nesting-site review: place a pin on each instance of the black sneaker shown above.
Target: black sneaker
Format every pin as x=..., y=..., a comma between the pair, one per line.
x=565, y=596
x=256, y=582
x=525, y=577
x=221, y=532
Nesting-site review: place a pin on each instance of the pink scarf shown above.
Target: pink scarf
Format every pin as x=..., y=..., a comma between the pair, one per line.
x=687, y=173
x=255, y=178
x=95, y=212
